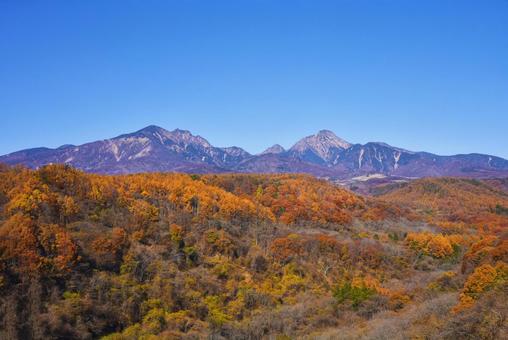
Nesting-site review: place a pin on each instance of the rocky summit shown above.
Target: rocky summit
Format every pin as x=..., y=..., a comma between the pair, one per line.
x=154, y=149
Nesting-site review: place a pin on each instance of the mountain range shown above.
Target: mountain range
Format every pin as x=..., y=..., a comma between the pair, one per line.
x=154, y=149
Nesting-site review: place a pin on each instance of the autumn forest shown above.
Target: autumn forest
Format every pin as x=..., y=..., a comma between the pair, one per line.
x=177, y=256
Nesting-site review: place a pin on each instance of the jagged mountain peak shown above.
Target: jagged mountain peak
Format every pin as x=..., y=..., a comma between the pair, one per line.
x=323, y=145
x=235, y=151
x=177, y=136
x=324, y=138
x=324, y=154
x=274, y=149
x=151, y=129
x=186, y=137
x=386, y=145
x=330, y=138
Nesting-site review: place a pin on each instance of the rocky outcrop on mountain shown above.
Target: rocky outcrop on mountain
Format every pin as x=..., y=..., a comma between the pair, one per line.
x=154, y=149
x=274, y=149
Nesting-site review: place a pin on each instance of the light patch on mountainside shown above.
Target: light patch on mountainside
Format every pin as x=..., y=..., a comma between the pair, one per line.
x=368, y=177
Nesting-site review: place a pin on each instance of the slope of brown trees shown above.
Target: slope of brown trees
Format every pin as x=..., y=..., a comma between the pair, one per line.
x=168, y=256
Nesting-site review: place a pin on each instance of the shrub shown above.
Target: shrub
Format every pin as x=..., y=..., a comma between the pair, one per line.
x=354, y=294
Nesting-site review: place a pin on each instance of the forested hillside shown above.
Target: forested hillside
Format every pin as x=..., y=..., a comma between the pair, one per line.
x=178, y=256
x=456, y=202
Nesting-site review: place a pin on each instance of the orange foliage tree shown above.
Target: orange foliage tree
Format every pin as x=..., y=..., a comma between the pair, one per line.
x=483, y=278
x=438, y=246
x=293, y=198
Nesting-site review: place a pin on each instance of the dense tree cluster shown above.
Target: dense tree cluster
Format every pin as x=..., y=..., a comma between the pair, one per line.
x=167, y=256
x=293, y=198
x=483, y=278
x=454, y=202
x=436, y=245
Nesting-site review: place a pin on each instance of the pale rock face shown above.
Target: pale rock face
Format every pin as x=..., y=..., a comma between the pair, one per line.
x=235, y=151
x=274, y=149
x=396, y=157
x=120, y=146
x=145, y=152
x=154, y=149
x=360, y=158
x=322, y=144
x=183, y=138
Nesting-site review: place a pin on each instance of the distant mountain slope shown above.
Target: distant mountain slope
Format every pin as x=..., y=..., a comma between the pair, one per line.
x=276, y=148
x=147, y=150
x=322, y=148
x=450, y=200
x=155, y=149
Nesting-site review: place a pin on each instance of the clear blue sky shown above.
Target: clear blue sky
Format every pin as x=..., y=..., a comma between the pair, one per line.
x=424, y=75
